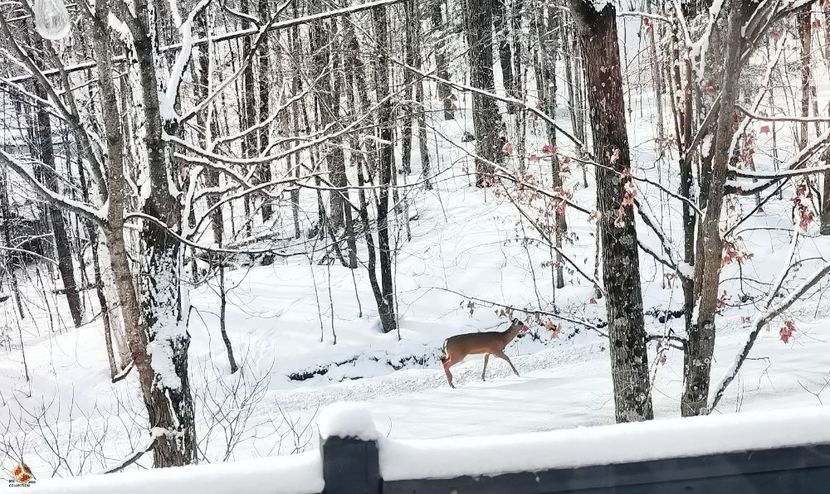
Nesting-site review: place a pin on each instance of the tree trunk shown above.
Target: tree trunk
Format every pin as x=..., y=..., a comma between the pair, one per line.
x=408, y=80
x=263, y=172
x=11, y=266
x=502, y=28
x=386, y=170
x=164, y=338
x=805, y=31
x=549, y=46
x=620, y=257
x=50, y=179
x=657, y=80
x=323, y=36
x=439, y=34
x=92, y=230
x=248, y=118
x=486, y=120
x=709, y=249
x=421, y=107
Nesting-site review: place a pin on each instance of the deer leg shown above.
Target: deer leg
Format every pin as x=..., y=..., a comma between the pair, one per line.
x=484, y=371
x=447, y=364
x=501, y=355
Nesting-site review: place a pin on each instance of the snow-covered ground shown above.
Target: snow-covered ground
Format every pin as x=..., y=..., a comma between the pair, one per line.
x=465, y=243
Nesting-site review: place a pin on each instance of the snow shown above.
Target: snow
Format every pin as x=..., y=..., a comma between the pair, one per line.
x=465, y=240
x=345, y=419
x=622, y=443
x=296, y=474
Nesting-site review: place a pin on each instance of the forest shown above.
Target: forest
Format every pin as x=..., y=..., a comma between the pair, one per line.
x=218, y=216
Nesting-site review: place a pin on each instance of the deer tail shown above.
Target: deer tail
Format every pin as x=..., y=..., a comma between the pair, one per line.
x=444, y=352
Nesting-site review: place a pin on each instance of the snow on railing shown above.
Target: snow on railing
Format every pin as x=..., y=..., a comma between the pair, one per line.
x=295, y=474
x=772, y=450
x=604, y=445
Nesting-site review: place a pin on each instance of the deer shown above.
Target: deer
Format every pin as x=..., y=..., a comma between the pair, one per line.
x=457, y=347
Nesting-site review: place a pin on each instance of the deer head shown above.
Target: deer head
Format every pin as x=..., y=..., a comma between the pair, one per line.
x=516, y=328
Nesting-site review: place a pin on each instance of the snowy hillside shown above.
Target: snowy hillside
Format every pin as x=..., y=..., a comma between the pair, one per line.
x=306, y=331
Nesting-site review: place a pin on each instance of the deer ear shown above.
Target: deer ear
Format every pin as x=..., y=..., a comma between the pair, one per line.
x=515, y=320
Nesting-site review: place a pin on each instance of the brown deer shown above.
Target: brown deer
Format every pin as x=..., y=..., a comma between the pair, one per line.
x=489, y=343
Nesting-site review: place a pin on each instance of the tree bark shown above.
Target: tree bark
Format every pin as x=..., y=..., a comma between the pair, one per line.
x=11, y=267
x=386, y=169
x=408, y=80
x=421, y=107
x=263, y=172
x=502, y=28
x=161, y=348
x=486, y=120
x=620, y=256
x=49, y=173
x=323, y=35
x=549, y=46
x=709, y=249
x=441, y=69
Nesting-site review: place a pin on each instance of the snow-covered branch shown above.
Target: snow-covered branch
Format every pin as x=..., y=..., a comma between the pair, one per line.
x=50, y=196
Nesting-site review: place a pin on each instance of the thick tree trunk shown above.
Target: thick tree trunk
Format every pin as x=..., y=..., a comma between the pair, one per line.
x=620, y=258
x=709, y=251
x=164, y=379
x=386, y=170
x=486, y=120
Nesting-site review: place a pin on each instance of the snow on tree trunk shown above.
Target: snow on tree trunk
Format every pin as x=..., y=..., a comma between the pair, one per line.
x=701, y=344
x=620, y=257
x=158, y=338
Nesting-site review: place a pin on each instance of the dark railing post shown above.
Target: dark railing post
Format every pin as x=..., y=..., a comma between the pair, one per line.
x=350, y=465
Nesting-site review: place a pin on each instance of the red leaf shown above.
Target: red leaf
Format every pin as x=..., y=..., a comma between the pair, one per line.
x=776, y=35
x=549, y=149
x=787, y=331
x=554, y=329
x=507, y=148
x=566, y=160
x=592, y=301
x=817, y=24
x=764, y=129
x=453, y=97
x=533, y=158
